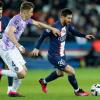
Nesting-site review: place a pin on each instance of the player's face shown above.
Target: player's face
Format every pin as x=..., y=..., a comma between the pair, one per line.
x=68, y=19
x=28, y=13
x=1, y=12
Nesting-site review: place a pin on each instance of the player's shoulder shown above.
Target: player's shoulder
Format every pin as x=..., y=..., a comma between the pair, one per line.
x=56, y=24
x=5, y=17
x=16, y=19
x=70, y=26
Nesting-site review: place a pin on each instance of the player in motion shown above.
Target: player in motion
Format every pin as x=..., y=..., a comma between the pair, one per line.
x=56, y=55
x=11, y=49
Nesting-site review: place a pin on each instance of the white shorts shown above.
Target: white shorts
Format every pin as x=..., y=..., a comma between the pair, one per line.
x=13, y=59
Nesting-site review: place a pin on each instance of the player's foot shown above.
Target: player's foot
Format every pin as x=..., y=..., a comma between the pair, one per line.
x=0, y=74
x=43, y=85
x=14, y=94
x=81, y=93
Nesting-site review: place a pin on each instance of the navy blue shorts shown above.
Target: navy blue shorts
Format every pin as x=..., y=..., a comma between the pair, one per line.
x=58, y=61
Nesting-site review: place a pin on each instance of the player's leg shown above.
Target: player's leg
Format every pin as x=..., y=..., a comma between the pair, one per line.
x=10, y=81
x=20, y=65
x=71, y=78
x=1, y=67
x=16, y=65
x=53, y=76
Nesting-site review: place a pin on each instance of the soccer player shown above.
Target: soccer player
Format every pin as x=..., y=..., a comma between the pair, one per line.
x=11, y=49
x=3, y=23
x=56, y=54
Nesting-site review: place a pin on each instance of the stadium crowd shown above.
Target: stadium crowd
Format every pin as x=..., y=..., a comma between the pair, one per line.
x=86, y=13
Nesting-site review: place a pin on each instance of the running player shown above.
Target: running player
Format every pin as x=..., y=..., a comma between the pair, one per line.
x=56, y=54
x=11, y=49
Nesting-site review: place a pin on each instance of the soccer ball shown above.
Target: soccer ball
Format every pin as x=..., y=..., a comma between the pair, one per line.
x=95, y=89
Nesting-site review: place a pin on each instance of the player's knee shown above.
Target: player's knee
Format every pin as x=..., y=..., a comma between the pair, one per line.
x=22, y=74
x=69, y=70
x=72, y=71
x=60, y=73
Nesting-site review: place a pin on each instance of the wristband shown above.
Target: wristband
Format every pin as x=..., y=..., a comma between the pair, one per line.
x=21, y=48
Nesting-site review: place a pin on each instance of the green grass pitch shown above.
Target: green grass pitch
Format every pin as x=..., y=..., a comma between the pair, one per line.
x=59, y=89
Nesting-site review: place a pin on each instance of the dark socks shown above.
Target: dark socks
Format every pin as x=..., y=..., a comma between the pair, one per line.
x=10, y=81
x=52, y=77
x=73, y=81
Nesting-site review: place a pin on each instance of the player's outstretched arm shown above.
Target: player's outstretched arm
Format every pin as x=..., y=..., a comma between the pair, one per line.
x=42, y=25
x=35, y=52
x=75, y=32
x=90, y=37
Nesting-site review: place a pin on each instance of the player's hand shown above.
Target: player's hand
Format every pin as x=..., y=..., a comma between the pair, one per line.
x=35, y=52
x=56, y=32
x=90, y=37
x=21, y=49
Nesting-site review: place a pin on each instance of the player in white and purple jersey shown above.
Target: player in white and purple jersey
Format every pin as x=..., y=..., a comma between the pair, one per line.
x=56, y=54
x=11, y=49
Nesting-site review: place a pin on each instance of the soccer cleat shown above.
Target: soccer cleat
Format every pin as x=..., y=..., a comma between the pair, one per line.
x=43, y=85
x=81, y=93
x=14, y=94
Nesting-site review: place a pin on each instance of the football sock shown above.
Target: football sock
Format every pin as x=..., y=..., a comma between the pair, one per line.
x=51, y=77
x=10, y=82
x=73, y=81
x=16, y=84
x=8, y=73
x=9, y=89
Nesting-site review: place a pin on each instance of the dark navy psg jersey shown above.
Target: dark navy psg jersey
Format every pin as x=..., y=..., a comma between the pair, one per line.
x=3, y=23
x=57, y=43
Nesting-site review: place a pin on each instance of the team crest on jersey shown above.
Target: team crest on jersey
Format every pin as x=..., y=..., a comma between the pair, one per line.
x=63, y=34
x=61, y=62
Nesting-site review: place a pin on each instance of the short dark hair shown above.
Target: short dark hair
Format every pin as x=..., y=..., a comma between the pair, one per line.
x=64, y=12
x=26, y=6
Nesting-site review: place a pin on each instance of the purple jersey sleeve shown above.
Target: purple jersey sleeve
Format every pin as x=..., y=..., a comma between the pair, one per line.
x=15, y=21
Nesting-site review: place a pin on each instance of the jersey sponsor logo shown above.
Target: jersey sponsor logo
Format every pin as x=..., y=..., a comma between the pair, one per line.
x=62, y=39
x=63, y=31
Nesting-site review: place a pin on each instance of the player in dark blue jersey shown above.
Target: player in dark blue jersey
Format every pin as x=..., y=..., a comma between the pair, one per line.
x=56, y=55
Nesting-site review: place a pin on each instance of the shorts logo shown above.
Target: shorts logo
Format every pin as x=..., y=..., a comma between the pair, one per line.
x=15, y=68
x=61, y=62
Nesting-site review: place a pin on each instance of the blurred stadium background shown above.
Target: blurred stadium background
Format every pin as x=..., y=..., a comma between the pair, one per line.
x=86, y=17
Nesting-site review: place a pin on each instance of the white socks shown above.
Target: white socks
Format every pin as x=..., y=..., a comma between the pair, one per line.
x=8, y=73
x=76, y=90
x=9, y=89
x=16, y=84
